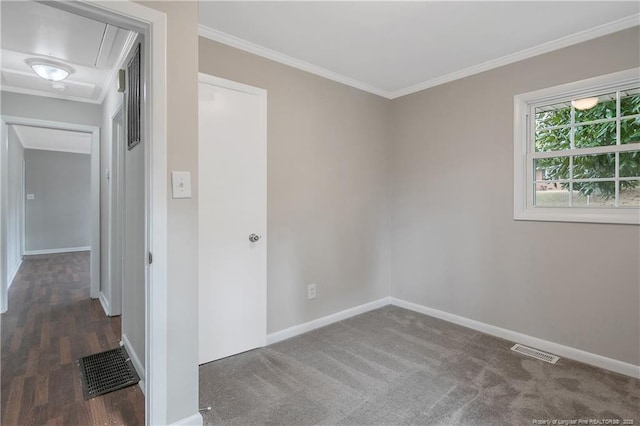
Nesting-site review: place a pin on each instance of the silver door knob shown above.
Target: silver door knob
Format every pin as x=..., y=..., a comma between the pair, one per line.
x=254, y=238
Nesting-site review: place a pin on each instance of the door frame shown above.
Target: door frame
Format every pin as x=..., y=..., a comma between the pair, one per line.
x=112, y=302
x=152, y=24
x=94, y=131
x=262, y=94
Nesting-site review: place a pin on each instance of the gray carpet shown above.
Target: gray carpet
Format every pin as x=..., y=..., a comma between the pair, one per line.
x=392, y=366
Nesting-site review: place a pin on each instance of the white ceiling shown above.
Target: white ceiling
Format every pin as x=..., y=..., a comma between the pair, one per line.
x=396, y=48
x=53, y=139
x=93, y=49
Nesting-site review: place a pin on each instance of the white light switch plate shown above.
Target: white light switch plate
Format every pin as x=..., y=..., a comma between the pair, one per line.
x=181, y=184
x=31, y=196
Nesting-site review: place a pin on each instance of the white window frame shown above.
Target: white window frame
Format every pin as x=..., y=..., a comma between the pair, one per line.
x=524, y=151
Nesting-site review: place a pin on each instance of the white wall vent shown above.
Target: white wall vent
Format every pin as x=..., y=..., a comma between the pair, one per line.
x=525, y=350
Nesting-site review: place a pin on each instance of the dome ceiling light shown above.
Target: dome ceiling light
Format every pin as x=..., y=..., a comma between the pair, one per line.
x=49, y=70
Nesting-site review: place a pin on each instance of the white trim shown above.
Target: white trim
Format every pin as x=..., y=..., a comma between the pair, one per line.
x=296, y=330
x=193, y=420
x=238, y=87
x=32, y=92
x=264, y=52
x=545, y=345
x=134, y=357
x=4, y=201
x=13, y=274
x=579, y=37
x=68, y=151
x=105, y=304
x=55, y=251
x=523, y=183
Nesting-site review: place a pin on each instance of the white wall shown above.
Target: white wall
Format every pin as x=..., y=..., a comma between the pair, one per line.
x=455, y=245
x=15, y=205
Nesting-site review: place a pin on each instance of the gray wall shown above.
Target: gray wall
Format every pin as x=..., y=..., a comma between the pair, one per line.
x=44, y=108
x=455, y=245
x=60, y=215
x=15, y=205
x=327, y=187
x=108, y=283
x=133, y=267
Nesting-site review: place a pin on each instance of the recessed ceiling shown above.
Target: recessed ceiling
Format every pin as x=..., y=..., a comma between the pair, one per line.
x=53, y=139
x=94, y=50
x=395, y=48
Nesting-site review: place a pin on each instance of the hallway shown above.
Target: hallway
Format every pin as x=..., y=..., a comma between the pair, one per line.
x=51, y=322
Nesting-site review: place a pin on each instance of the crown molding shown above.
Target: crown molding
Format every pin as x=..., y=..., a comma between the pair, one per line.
x=258, y=50
x=579, y=37
x=599, y=31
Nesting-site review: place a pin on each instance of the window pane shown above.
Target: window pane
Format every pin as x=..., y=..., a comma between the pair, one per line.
x=604, y=108
x=552, y=168
x=630, y=130
x=595, y=199
x=553, y=115
x=629, y=194
x=553, y=140
x=601, y=190
x=630, y=102
x=594, y=166
x=630, y=164
x=591, y=135
x=551, y=198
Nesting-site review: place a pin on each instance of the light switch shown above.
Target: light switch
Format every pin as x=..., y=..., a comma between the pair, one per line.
x=31, y=196
x=181, y=184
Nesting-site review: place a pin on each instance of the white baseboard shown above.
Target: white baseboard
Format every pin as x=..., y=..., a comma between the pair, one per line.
x=54, y=251
x=13, y=273
x=545, y=345
x=296, y=330
x=193, y=420
x=105, y=304
x=134, y=359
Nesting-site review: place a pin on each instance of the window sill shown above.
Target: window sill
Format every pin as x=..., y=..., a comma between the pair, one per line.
x=626, y=216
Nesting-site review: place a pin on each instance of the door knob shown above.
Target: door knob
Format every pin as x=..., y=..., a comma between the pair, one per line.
x=254, y=238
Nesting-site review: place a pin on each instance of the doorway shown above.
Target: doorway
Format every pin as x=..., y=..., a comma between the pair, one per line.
x=152, y=25
x=232, y=151
x=45, y=236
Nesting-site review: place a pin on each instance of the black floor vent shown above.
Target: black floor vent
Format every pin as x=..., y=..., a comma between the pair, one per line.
x=106, y=372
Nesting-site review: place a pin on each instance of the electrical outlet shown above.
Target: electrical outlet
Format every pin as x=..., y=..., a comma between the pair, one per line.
x=311, y=291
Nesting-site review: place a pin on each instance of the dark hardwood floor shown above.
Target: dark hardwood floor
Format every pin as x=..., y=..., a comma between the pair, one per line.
x=51, y=322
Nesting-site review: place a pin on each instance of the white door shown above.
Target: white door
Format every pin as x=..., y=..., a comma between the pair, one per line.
x=232, y=182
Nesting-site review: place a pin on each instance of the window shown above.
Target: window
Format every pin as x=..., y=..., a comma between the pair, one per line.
x=577, y=151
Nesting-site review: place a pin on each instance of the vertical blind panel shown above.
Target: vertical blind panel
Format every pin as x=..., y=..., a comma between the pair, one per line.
x=133, y=100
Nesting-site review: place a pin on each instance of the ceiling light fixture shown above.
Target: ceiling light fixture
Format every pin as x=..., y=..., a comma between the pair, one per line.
x=585, y=103
x=49, y=70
